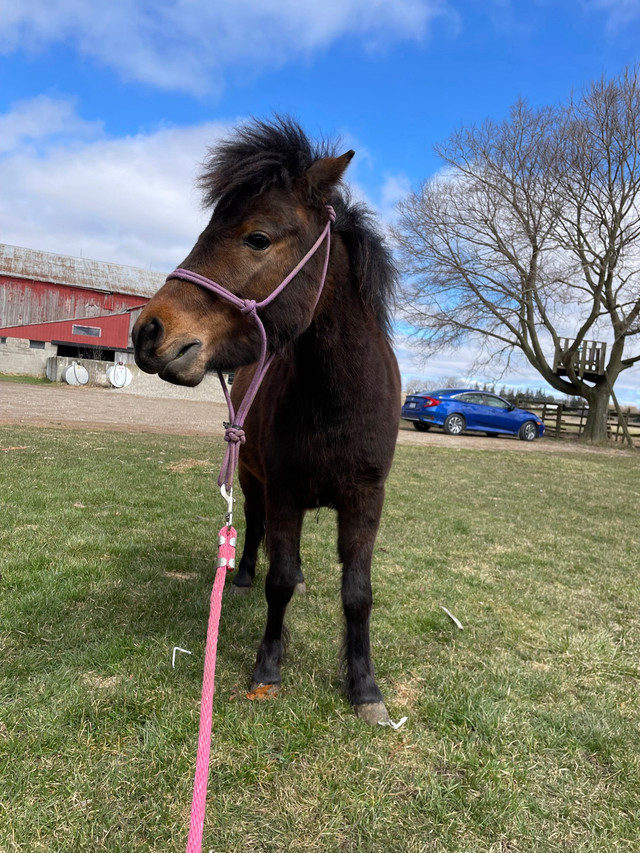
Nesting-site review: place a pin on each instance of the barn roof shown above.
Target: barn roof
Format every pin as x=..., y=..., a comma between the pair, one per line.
x=77, y=272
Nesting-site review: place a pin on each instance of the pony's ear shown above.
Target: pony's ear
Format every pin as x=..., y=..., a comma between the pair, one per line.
x=324, y=174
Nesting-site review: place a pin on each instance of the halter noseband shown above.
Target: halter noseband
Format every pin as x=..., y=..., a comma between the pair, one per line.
x=234, y=431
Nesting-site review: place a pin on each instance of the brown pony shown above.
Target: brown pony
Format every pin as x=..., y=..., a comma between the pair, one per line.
x=323, y=426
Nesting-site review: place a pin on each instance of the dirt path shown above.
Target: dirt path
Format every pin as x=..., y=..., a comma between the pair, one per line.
x=67, y=407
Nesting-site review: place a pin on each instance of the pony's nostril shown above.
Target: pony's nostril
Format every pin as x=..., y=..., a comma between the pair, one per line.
x=151, y=334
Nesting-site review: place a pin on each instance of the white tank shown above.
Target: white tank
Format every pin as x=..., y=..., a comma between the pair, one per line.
x=76, y=374
x=119, y=375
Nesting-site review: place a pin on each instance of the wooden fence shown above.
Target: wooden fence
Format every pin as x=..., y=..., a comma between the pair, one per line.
x=563, y=421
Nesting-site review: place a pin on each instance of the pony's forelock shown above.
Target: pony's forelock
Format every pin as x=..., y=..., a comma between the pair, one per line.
x=258, y=156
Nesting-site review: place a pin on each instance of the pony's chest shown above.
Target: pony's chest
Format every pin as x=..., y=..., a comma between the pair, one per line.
x=316, y=440
x=319, y=462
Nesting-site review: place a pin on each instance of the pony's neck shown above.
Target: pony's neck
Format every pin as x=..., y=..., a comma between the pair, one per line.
x=340, y=345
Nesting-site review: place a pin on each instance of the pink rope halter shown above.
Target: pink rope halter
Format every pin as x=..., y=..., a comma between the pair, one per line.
x=234, y=434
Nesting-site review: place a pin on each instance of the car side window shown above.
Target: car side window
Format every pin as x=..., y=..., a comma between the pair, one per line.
x=495, y=402
x=468, y=398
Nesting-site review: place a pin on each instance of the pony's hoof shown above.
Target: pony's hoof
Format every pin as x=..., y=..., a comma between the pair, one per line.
x=263, y=691
x=240, y=590
x=301, y=588
x=372, y=713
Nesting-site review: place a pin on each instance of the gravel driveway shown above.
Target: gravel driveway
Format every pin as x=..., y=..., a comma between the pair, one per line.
x=65, y=407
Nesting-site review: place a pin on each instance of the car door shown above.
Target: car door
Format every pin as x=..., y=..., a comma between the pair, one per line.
x=497, y=414
x=469, y=405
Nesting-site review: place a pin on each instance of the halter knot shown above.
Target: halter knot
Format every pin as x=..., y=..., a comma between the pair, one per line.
x=234, y=434
x=332, y=213
x=248, y=306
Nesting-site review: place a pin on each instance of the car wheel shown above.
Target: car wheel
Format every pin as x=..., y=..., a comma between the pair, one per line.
x=454, y=424
x=528, y=431
x=421, y=427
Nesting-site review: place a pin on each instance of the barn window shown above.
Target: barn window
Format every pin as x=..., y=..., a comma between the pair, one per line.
x=3, y=340
x=36, y=344
x=90, y=331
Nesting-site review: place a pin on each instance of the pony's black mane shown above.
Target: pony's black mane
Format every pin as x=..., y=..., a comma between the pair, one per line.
x=262, y=155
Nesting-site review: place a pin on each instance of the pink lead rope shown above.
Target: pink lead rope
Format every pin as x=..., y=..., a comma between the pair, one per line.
x=226, y=562
x=234, y=436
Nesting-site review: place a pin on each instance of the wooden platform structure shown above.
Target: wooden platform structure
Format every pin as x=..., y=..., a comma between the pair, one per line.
x=588, y=361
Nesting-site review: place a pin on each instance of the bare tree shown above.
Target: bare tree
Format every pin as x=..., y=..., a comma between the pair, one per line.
x=415, y=386
x=531, y=233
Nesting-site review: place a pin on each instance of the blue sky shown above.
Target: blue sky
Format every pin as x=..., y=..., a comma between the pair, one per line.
x=107, y=109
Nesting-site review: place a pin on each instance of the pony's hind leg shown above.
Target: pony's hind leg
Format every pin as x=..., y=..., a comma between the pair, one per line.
x=358, y=521
x=283, y=540
x=301, y=586
x=254, y=531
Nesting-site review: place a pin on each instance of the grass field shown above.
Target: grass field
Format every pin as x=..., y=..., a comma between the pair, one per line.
x=24, y=379
x=523, y=729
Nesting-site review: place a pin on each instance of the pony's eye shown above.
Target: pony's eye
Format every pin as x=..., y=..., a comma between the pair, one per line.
x=257, y=241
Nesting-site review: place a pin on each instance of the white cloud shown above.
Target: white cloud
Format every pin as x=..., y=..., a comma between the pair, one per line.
x=186, y=46
x=619, y=13
x=394, y=188
x=130, y=200
x=42, y=118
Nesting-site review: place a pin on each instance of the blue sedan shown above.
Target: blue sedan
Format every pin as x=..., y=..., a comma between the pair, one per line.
x=457, y=410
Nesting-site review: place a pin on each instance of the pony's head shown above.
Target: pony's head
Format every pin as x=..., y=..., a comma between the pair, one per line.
x=269, y=188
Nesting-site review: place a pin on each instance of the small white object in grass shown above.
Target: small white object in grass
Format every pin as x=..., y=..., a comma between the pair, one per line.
x=173, y=656
x=455, y=621
x=393, y=725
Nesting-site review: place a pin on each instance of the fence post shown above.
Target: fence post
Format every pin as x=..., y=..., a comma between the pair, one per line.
x=559, y=420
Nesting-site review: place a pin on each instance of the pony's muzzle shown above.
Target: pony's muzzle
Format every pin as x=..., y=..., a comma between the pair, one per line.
x=185, y=366
x=175, y=359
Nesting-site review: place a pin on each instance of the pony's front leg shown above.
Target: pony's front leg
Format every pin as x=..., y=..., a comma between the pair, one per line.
x=358, y=521
x=254, y=530
x=284, y=527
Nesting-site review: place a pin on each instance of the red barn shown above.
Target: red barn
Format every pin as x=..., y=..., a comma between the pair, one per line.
x=70, y=306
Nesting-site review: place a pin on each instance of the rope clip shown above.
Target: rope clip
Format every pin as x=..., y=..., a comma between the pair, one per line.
x=228, y=497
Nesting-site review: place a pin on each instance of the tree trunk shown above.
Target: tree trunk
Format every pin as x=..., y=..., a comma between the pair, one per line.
x=595, y=429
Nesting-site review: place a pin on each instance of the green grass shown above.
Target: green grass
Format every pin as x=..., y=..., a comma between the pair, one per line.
x=523, y=730
x=24, y=379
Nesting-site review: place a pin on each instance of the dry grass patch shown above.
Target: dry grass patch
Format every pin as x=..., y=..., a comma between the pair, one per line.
x=181, y=576
x=187, y=465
